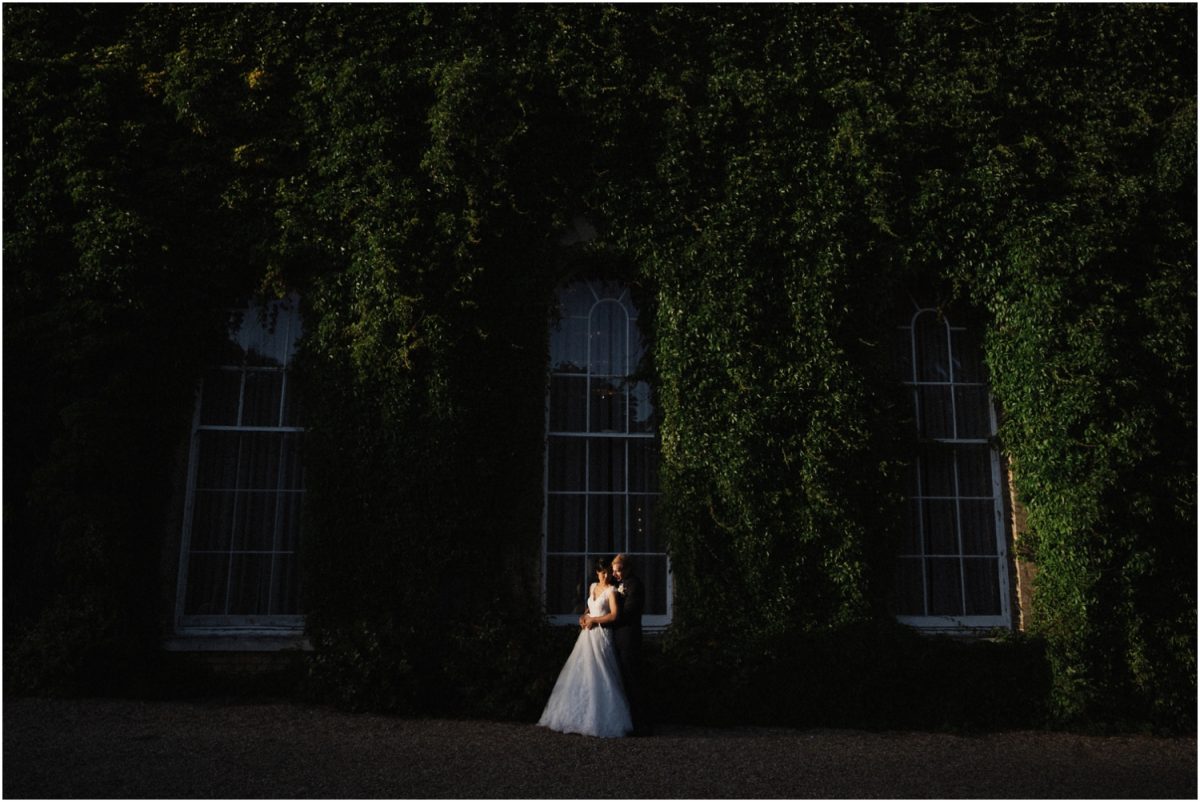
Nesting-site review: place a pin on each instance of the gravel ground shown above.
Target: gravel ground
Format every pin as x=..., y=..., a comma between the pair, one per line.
x=131, y=749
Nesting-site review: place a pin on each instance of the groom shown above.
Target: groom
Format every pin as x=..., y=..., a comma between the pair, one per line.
x=627, y=639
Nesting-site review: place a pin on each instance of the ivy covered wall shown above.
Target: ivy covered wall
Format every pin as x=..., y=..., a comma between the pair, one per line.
x=774, y=182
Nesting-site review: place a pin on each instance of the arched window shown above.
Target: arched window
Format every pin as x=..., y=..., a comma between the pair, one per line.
x=602, y=450
x=952, y=570
x=245, y=483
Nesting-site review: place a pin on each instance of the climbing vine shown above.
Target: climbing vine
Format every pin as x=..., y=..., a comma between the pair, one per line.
x=774, y=181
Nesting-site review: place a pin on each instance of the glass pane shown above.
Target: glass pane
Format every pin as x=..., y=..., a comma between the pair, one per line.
x=567, y=463
x=643, y=465
x=983, y=586
x=641, y=408
x=217, y=460
x=643, y=524
x=565, y=587
x=606, y=464
x=212, y=520
x=219, y=401
x=569, y=345
x=933, y=360
x=608, y=329
x=568, y=404
x=607, y=405
x=971, y=407
x=208, y=577
x=935, y=469
x=978, y=526
x=606, y=524
x=968, y=362
x=286, y=580
x=293, y=408
x=260, y=461
x=975, y=470
x=290, y=506
x=564, y=522
x=254, y=521
x=250, y=575
x=262, y=397
x=941, y=536
x=936, y=418
x=908, y=596
x=945, y=586
x=292, y=463
x=652, y=570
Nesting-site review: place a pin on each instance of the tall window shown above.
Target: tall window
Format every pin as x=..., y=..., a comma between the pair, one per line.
x=952, y=570
x=601, y=453
x=245, y=482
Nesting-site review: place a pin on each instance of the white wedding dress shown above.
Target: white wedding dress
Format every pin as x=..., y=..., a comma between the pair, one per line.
x=588, y=698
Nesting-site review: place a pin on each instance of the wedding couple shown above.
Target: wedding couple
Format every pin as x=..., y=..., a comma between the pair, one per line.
x=598, y=690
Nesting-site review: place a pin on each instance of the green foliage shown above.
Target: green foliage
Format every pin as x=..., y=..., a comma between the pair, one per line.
x=773, y=181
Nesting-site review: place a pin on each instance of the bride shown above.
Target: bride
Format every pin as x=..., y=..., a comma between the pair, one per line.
x=588, y=698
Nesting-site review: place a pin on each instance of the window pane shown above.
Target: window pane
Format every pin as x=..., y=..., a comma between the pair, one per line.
x=971, y=407
x=220, y=395
x=576, y=300
x=652, y=570
x=608, y=340
x=286, y=580
x=254, y=521
x=983, y=585
x=262, y=396
x=292, y=461
x=978, y=526
x=290, y=505
x=212, y=520
x=968, y=362
x=569, y=345
x=567, y=463
x=606, y=464
x=218, y=460
x=933, y=362
x=565, y=588
x=564, y=522
x=641, y=408
x=945, y=586
x=260, y=461
x=941, y=534
x=208, y=578
x=643, y=524
x=975, y=470
x=568, y=404
x=643, y=466
x=936, y=471
x=937, y=417
x=606, y=524
x=250, y=575
x=607, y=405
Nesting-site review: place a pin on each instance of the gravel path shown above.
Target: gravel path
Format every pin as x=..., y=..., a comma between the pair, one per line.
x=131, y=749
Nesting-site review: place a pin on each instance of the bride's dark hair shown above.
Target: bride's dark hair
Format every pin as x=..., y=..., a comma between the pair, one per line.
x=603, y=564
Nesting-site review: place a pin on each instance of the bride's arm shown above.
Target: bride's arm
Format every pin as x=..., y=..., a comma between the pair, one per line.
x=613, y=609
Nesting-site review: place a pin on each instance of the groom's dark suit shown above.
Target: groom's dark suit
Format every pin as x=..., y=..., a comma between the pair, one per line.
x=627, y=638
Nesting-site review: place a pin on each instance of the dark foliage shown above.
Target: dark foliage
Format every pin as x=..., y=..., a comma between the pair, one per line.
x=773, y=180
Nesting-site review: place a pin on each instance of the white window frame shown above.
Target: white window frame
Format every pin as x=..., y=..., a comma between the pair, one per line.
x=218, y=628
x=600, y=295
x=958, y=623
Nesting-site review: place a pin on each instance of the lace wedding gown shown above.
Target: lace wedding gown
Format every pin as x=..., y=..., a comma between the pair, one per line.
x=588, y=698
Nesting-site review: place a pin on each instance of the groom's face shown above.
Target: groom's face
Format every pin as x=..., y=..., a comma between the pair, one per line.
x=617, y=568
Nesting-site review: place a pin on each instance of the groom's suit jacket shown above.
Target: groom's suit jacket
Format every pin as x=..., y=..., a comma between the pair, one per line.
x=627, y=629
